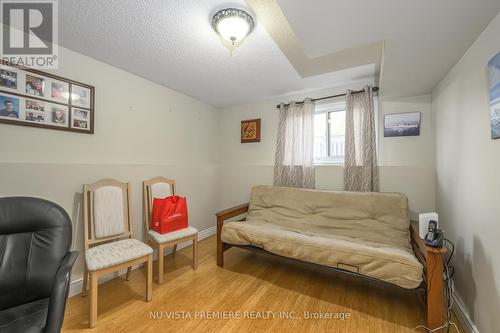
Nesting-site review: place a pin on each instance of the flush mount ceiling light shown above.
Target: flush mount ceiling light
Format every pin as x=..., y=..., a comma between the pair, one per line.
x=232, y=24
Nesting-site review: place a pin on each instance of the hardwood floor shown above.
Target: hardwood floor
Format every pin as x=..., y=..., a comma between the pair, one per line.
x=248, y=285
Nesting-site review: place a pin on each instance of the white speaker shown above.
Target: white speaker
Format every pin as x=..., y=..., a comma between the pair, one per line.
x=423, y=222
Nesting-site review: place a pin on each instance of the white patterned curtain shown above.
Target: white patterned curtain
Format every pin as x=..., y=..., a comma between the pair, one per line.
x=360, y=166
x=294, y=162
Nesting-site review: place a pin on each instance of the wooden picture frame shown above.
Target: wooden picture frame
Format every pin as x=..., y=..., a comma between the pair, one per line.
x=250, y=130
x=30, y=97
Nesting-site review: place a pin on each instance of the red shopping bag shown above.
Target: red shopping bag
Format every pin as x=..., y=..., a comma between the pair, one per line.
x=169, y=214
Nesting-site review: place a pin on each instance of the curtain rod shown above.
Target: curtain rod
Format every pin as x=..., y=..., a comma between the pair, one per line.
x=374, y=89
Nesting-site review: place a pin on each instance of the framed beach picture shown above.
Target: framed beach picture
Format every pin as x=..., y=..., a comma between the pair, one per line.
x=402, y=124
x=31, y=97
x=494, y=81
x=250, y=130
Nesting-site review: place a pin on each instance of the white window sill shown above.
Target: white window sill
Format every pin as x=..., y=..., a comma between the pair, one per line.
x=323, y=164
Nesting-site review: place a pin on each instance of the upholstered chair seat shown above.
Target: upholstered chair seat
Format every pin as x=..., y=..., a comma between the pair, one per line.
x=172, y=236
x=115, y=253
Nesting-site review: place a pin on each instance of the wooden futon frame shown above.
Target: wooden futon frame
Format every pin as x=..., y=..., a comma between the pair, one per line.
x=432, y=259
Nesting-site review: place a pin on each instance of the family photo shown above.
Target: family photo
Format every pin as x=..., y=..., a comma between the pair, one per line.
x=82, y=124
x=9, y=107
x=59, y=91
x=31, y=116
x=37, y=117
x=59, y=115
x=79, y=113
x=8, y=79
x=35, y=85
x=80, y=96
x=35, y=105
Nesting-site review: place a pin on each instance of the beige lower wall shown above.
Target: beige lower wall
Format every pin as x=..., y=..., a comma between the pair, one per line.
x=62, y=183
x=417, y=182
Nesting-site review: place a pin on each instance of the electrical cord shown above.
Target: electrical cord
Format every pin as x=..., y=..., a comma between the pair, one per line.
x=452, y=250
x=450, y=257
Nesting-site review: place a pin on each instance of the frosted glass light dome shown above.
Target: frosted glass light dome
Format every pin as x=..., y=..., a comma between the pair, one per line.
x=232, y=24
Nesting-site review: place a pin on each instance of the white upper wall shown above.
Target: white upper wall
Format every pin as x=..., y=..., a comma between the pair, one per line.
x=136, y=121
x=142, y=130
x=406, y=162
x=410, y=150
x=395, y=151
x=262, y=153
x=468, y=178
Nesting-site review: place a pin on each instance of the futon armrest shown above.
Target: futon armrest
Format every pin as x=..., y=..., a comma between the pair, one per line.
x=222, y=216
x=232, y=212
x=59, y=294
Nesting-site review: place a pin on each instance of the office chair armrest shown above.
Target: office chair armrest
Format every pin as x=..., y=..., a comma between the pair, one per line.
x=59, y=294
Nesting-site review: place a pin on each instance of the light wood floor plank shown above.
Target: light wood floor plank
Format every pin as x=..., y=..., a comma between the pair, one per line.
x=248, y=283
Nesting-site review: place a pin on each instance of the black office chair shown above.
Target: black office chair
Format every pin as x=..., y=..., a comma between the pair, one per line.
x=35, y=265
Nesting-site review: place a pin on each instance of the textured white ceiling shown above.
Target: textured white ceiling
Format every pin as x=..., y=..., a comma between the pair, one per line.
x=172, y=43
x=423, y=39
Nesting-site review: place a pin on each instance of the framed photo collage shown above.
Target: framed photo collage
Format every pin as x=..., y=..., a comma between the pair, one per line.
x=30, y=97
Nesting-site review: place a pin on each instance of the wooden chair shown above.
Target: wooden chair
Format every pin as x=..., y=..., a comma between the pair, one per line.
x=109, y=246
x=161, y=187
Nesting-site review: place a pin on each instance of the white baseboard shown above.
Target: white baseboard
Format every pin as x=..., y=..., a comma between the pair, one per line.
x=76, y=285
x=463, y=316
x=207, y=232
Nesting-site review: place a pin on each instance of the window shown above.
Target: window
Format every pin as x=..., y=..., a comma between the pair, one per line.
x=329, y=133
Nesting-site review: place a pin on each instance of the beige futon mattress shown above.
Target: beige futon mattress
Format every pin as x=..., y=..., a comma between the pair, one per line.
x=304, y=226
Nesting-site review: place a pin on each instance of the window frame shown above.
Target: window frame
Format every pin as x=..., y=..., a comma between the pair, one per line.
x=327, y=109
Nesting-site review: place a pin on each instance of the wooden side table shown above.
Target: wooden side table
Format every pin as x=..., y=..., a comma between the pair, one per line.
x=432, y=258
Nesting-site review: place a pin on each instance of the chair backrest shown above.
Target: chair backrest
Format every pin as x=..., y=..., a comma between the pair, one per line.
x=157, y=187
x=106, y=212
x=35, y=235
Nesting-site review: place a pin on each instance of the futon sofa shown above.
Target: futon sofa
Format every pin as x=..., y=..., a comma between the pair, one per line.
x=364, y=234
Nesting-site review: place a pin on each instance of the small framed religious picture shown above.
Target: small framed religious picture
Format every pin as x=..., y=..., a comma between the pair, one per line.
x=250, y=130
